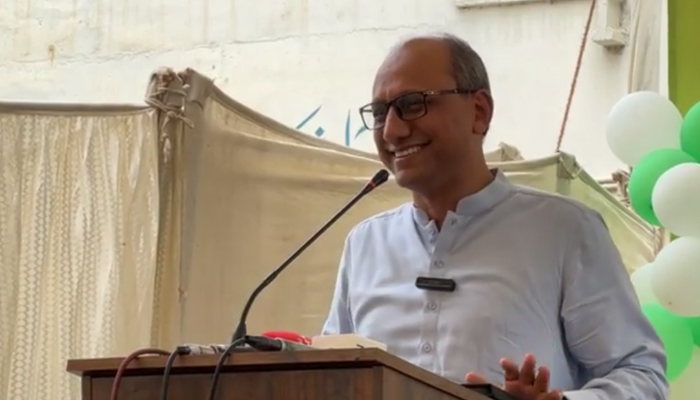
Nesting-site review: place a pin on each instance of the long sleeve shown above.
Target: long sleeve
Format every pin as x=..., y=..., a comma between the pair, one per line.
x=339, y=321
x=614, y=344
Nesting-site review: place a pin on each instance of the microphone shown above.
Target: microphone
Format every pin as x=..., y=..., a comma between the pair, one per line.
x=262, y=343
x=380, y=177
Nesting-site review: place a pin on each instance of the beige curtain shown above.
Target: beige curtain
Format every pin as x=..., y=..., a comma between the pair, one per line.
x=232, y=177
x=78, y=231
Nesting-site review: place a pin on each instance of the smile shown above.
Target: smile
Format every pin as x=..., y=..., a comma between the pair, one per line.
x=409, y=151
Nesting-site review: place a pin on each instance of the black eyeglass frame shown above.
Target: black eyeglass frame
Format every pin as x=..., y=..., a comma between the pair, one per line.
x=367, y=108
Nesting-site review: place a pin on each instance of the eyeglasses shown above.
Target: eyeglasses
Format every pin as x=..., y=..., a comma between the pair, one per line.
x=408, y=107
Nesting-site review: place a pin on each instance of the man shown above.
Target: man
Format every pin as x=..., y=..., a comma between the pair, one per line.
x=538, y=278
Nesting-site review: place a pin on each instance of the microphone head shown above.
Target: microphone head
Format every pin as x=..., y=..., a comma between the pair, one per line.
x=380, y=177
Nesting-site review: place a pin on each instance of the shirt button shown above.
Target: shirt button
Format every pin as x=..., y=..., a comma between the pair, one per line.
x=432, y=306
x=438, y=264
x=427, y=347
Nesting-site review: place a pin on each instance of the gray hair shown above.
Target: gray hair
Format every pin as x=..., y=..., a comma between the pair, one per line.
x=468, y=69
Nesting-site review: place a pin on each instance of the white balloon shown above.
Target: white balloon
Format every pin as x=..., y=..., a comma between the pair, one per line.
x=641, y=280
x=687, y=386
x=676, y=276
x=676, y=199
x=640, y=123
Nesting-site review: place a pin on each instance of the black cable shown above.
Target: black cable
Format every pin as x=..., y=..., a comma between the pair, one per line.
x=179, y=351
x=220, y=364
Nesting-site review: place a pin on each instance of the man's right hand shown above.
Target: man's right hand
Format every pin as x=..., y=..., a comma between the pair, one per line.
x=525, y=383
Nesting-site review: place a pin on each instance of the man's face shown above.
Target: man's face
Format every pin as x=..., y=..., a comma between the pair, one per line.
x=432, y=149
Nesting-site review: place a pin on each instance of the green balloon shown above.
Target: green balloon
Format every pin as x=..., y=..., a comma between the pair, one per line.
x=646, y=173
x=676, y=336
x=694, y=324
x=690, y=132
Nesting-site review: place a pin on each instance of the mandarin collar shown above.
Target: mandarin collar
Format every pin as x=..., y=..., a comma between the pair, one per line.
x=483, y=200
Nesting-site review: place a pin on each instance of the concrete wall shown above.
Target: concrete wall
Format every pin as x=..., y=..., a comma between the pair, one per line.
x=290, y=57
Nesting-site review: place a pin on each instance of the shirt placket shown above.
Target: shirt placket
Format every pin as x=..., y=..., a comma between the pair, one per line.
x=440, y=244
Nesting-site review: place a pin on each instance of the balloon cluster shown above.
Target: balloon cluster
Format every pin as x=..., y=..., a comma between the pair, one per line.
x=648, y=133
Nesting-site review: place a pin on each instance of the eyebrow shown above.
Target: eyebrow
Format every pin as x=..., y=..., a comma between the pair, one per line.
x=401, y=93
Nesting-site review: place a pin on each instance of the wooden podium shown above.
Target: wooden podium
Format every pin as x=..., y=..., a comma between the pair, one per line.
x=348, y=374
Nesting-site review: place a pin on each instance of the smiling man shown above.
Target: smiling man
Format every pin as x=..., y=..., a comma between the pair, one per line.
x=538, y=299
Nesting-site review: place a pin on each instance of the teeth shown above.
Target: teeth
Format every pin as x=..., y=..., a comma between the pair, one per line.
x=408, y=151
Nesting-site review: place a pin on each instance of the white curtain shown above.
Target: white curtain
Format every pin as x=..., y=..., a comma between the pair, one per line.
x=78, y=232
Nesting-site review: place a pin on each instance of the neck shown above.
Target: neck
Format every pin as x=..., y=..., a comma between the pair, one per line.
x=437, y=202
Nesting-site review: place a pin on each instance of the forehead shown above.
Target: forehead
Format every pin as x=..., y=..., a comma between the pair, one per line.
x=415, y=65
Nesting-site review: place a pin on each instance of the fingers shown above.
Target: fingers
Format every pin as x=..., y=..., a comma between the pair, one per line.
x=524, y=380
x=527, y=371
x=473, y=377
x=541, y=383
x=510, y=370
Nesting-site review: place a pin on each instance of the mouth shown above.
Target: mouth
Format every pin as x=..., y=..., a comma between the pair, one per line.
x=408, y=151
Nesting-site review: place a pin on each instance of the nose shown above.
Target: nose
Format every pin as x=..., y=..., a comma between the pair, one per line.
x=395, y=129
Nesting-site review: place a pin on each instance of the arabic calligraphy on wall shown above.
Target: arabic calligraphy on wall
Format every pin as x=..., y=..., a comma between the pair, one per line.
x=350, y=133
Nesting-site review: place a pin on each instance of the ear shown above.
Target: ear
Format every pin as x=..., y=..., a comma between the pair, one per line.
x=483, y=111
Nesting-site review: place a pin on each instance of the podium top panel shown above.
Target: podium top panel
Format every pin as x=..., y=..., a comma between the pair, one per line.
x=272, y=361
x=336, y=358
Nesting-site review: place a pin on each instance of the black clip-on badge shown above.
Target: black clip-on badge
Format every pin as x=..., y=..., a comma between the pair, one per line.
x=436, y=284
